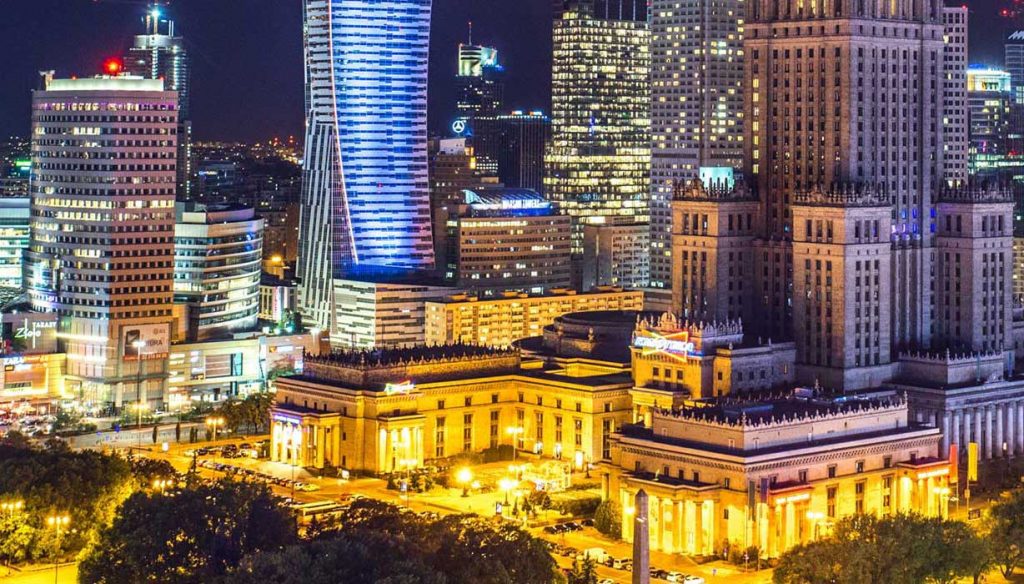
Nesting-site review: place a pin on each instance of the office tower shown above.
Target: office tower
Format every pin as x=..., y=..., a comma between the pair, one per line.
x=365, y=200
x=598, y=161
x=478, y=81
x=513, y=144
x=14, y=237
x=989, y=99
x=497, y=240
x=162, y=55
x=617, y=253
x=696, y=105
x=218, y=253
x=954, y=96
x=1013, y=61
x=102, y=245
x=454, y=167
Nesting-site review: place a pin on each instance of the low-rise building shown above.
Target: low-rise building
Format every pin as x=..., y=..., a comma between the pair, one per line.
x=774, y=473
x=278, y=298
x=390, y=410
x=502, y=321
x=212, y=371
x=495, y=240
x=383, y=310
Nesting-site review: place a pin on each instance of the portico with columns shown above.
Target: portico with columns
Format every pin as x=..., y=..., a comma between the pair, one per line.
x=774, y=473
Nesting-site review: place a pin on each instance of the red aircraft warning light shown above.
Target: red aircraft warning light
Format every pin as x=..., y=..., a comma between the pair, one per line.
x=112, y=66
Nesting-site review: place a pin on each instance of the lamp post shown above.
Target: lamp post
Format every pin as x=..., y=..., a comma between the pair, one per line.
x=464, y=477
x=57, y=522
x=507, y=485
x=139, y=344
x=215, y=422
x=514, y=431
x=160, y=485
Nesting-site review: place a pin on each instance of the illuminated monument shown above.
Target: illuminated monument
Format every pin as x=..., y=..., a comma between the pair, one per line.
x=365, y=202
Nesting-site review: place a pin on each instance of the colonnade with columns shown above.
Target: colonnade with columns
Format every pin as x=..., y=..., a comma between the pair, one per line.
x=997, y=427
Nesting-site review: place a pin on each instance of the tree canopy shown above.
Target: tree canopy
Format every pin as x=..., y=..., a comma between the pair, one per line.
x=190, y=536
x=378, y=542
x=900, y=549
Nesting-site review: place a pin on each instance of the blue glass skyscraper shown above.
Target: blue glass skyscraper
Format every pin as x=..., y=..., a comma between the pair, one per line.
x=365, y=200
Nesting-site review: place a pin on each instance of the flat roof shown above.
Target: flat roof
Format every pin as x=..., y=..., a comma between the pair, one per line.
x=104, y=83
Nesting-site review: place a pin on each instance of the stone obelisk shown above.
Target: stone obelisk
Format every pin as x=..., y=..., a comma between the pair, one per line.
x=641, y=541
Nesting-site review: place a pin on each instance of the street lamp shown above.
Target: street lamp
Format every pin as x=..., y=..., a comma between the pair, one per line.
x=57, y=522
x=12, y=507
x=464, y=477
x=514, y=432
x=507, y=484
x=161, y=484
x=139, y=344
x=215, y=422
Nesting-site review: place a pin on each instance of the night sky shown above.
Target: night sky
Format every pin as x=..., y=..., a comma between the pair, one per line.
x=247, y=54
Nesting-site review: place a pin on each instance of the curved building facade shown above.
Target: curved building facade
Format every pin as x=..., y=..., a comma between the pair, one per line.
x=365, y=198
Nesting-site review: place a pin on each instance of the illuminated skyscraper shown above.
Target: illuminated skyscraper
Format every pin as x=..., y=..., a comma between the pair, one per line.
x=162, y=55
x=102, y=243
x=365, y=201
x=479, y=81
x=696, y=105
x=598, y=161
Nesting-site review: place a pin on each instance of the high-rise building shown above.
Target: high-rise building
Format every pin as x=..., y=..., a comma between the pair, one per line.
x=617, y=253
x=480, y=89
x=499, y=240
x=989, y=99
x=365, y=199
x=1013, y=61
x=218, y=252
x=162, y=55
x=847, y=98
x=14, y=237
x=513, y=144
x=598, y=161
x=696, y=105
x=954, y=96
x=102, y=244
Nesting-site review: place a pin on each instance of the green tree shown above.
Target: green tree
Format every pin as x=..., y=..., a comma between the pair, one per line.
x=87, y=486
x=901, y=549
x=584, y=572
x=608, y=519
x=195, y=536
x=1006, y=533
x=17, y=535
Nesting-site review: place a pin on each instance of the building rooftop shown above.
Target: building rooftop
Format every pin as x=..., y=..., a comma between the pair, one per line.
x=800, y=404
x=106, y=83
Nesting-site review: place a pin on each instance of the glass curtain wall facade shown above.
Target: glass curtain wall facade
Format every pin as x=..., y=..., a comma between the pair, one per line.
x=365, y=197
x=598, y=162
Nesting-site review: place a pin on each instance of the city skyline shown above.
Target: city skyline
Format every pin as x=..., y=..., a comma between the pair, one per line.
x=223, y=37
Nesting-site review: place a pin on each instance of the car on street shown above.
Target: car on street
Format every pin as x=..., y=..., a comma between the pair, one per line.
x=692, y=580
x=659, y=574
x=675, y=577
x=606, y=581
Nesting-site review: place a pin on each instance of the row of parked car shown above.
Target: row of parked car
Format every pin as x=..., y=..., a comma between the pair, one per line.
x=600, y=556
x=243, y=450
x=568, y=527
x=257, y=475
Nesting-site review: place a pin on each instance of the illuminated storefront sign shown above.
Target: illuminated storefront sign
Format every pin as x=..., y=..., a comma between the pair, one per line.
x=402, y=388
x=663, y=344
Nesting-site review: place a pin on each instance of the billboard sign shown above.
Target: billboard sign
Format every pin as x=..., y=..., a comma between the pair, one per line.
x=145, y=341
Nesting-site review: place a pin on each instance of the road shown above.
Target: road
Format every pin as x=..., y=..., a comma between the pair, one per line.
x=68, y=574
